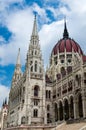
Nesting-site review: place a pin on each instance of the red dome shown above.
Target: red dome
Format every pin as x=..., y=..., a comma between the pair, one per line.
x=68, y=44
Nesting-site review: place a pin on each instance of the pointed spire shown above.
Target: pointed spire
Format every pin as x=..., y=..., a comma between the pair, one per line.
x=65, y=34
x=34, y=32
x=18, y=58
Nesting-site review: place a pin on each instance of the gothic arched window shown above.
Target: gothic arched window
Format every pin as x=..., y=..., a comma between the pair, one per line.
x=48, y=107
x=23, y=120
x=35, y=113
x=31, y=68
x=36, y=89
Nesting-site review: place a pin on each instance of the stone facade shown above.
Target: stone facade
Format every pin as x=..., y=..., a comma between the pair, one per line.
x=38, y=97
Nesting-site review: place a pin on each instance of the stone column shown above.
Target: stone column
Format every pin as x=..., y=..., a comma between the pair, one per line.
x=84, y=105
x=76, y=112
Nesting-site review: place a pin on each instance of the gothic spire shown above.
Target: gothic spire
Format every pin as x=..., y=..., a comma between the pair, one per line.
x=18, y=58
x=65, y=33
x=17, y=72
x=34, y=32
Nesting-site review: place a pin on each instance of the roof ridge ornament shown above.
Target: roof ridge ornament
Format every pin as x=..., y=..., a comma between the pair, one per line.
x=65, y=33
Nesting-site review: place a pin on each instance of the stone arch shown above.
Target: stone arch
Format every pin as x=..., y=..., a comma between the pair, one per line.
x=23, y=120
x=60, y=110
x=71, y=107
x=66, y=109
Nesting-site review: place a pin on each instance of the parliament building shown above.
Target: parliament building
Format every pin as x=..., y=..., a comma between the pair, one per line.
x=38, y=97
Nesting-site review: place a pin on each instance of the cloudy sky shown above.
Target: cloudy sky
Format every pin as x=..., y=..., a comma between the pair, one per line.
x=16, y=22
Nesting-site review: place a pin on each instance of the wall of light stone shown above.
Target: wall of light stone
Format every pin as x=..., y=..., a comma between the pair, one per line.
x=31, y=128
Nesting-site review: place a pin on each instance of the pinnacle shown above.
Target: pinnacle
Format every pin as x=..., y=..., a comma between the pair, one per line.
x=34, y=32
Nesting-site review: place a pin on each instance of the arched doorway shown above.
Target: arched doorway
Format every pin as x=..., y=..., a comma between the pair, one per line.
x=66, y=109
x=61, y=110
x=56, y=112
x=80, y=108
x=71, y=108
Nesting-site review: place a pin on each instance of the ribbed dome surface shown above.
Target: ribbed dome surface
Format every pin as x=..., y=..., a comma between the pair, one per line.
x=68, y=44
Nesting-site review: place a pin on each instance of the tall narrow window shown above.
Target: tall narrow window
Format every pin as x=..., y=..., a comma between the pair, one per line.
x=48, y=107
x=35, y=66
x=35, y=113
x=31, y=68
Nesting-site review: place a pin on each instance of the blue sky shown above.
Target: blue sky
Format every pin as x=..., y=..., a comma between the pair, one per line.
x=16, y=22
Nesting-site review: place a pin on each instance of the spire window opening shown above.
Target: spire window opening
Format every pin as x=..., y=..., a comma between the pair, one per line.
x=35, y=66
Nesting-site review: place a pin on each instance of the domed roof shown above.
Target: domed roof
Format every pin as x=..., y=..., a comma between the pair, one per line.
x=67, y=44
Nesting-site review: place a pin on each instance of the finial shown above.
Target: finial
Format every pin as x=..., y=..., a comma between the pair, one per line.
x=65, y=34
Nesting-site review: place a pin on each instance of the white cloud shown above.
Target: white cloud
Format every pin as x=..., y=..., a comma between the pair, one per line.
x=41, y=12
x=6, y=3
x=20, y=24
x=4, y=93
